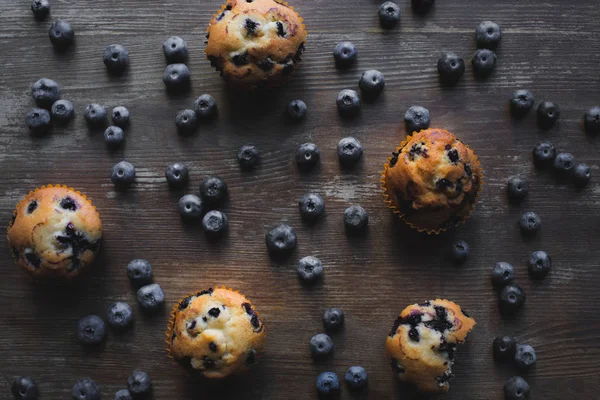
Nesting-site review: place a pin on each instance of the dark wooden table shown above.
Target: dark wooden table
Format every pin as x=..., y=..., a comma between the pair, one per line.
x=550, y=47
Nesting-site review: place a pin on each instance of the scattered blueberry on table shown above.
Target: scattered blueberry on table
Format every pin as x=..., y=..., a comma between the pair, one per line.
x=517, y=188
x=488, y=35
x=215, y=224
x=547, y=114
x=328, y=383
x=591, y=121
x=348, y=103
x=116, y=59
x=186, y=121
x=349, y=151
x=190, y=207
x=371, y=84
x=564, y=164
x=150, y=297
x=503, y=274
x=175, y=50
x=544, y=154
x=24, y=388
x=307, y=156
x=85, y=389
x=530, y=223
x=312, y=207
x=389, y=14
x=296, y=110
x=539, y=264
x=321, y=346
x=39, y=121
x=521, y=102
x=460, y=251
x=516, y=388
x=123, y=394
x=333, y=319
x=177, y=175
x=504, y=348
x=483, y=62
x=139, y=272
x=139, y=384
x=345, y=54
x=120, y=116
x=356, y=219
x=511, y=299
x=176, y=76
x=310, y=269
x=122, y=174
x=40, y=9
x=450, y=68
x=525, y=357
x=281, y=240
x=416, y=119
x=248, y=157
x=213, y=191
x=119, y=315
x=356, y=378
x=206, y=107
x=114, y=137
x=62, y=35
x=95, y=114
x=91, y=330
x=581, y=175
x=45, y=92
x=62, y=111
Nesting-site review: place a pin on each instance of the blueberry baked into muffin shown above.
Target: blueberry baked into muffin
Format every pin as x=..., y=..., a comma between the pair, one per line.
x=215, y=333
x=432, y=180
x=422, y=342
x=255, y=42
x=55, y=232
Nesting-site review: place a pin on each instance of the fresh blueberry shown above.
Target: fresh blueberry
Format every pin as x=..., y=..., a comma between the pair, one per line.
x=421, y=6
x=206, y=107
x=502, y=274
x=214, y=224
x=85, y=389
x=321, y=346
x=450, y=68
x=38, y=121
x=62, y=111
x=310, y=269
x=591, y=121
x=120, y=116
x=547, y=114
x=544, y=154
x=139, y=383
x=516, y=388
x=511, y=299
x=525, y=356
x=177, y=175
x=389, y=14
x=45, y=92
x=328, y=384
x=116, y=59
x=114, y=137
x=119, y=315
x=356, y=219
x=488, y=35
x=505, y=348
x=296, y=110
x=307, y=156
x=530, y=223
x=521, y=101
x=186, y=121
x=123, y=394
x=95, y=114
x=175, y=49
x=122, y=174
x=248, y=157
x=484, y=62
x=40, y=9
x=61, y=35
x=312, y=207
x=24, y=388
x=150, y=297
x=564, y=164
x=539, y=264
x=190, y=207
x=371, y=83
x=333, y=319
x=281, y=240
x=517, y=188
x=356, y=378
x=90, y=330
x=213, y=190
x=139, y=272
x=176, y=76
x=581, y=175
x=416, y=119
x=349, y=151
x=344, y=54
x=460, y=251
x=348, y=103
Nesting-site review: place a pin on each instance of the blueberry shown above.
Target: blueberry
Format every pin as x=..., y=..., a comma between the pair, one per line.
x=348, y=103
x=38, y=121
x=177, y=175
x=333, y=319
x=139, y=383
x=176, y=76
x=119, y=315
x=564, y=164
x=521, y=101
x=547, y=114
x=213, y=190
x=40, y=9
x=328, y=384
x=488, y=35
x=24, y=388
x=416, y=119
x=214, y=224
x=517, y=188
x=45, y=92
x=591, y=121
x=389, y=14
x=281, y=240
x=85, y=389
x=186, y=121
x=516, y=388
x=206, y=107
x=62, y=111
x=190, y=207
x=312, y=207
x=248, y=157
x=349, y=151
x=122, y=174
x=525, y=356
x=581, y=175
x=123, y=394
x=116, y=59
x=61, y=35
x=511, y=299
x=114, y=137
x=421, y=6
x=307, y=156
x=310, y=269
x=356, y=219
x=139, y=272
x=530, y=223
x=539, y=264
x=120, y=116
x=95, y=114
x=459, y=251
x=544, y=154
x=150, y=297
x=502, y=274
x=175, y=49
x=371, y=83
x=344, y=54
x=484, y=62
x=321, y=346
x=296, y=110
x=505, y=348
x=356, y=378
x=450, y=68
x=90, y=330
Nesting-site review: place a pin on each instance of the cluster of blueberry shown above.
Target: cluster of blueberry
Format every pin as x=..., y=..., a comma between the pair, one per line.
x=506, y=349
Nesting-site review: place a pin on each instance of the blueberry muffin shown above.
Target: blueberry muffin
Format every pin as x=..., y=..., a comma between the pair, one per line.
x=255, y=43
x=432, y=180
x=55, y=232
x=422, y=342
x=215, y=333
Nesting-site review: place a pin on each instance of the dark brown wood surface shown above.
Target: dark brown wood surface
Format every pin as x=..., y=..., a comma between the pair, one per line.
x=551, y=48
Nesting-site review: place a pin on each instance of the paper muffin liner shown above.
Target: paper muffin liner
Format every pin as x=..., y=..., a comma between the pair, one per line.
x=476, y=168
